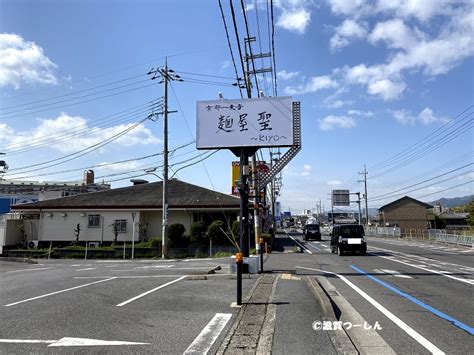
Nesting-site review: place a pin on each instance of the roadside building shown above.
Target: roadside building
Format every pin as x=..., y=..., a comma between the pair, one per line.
x=15, y=192
x=96, y=213
x=453, y=221
x=406, y=213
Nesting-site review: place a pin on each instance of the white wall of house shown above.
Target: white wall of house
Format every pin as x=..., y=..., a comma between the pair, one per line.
x=60, y=225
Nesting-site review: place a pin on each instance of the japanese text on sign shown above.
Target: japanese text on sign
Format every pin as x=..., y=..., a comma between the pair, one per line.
x=262, y=122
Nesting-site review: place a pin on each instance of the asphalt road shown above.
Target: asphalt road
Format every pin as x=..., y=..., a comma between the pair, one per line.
x=66, y=306
x=419, y=293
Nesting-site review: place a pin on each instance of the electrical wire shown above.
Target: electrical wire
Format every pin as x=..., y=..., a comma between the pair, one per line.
x=78, y=103
x=236, y=31
x=449, y=188
x=230, y=48
x=244, y=12
x=71, y=93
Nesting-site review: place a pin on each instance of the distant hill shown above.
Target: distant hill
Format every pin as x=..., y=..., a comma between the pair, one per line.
x=453, y=202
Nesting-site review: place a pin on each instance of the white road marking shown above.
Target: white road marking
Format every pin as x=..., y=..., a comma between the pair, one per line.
x=36, y=269
x=396, y=273
x=70, y=342
x=470, y=282
x=301, y=245
x=150, y=291
x=90, y=342
x=209, y=334
x=405, y=327
x=57, y=292
x=86, y=269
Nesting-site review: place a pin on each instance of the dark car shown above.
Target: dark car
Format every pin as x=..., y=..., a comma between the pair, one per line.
x=311, y=231
x=348, y=238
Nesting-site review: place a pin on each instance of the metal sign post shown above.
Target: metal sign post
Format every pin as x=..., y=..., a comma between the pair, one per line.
x=244, y=126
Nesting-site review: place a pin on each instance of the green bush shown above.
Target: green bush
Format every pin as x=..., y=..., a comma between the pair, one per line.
x=222, y=254
x=176, y=235
x=236, y=229
x=217, y=231
x=198, y=233
x=155, y=242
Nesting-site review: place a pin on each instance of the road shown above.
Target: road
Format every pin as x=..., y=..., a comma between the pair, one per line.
x=418, y=296
x=60, y=306
x=420, y=293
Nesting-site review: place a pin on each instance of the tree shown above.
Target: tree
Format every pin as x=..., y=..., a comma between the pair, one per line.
x=217, y=231
x=176, y=234
x=470, y=210
x=77, y=232
x=198, y=233
x=114, y=231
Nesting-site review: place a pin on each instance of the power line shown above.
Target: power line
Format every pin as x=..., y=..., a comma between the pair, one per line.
x=230, y=47
x=67, y=135
x=273, y=50
x=81, y=152
x=250, y=45
x=77, y=103
x=388, y=161
x=419, y=183
x=72, y=93
x=449, y=188
x=240, y=48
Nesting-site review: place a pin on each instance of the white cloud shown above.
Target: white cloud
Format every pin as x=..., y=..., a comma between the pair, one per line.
x=386, y=88
x=61, y=129
x=346, y=7
x=334, y=183
x=360, y=113
x=421, y=10
x=349, y=29
x=295, y=20
x=314, y=84
x=330, y=102
x=425, y=117
x=331, y=122
x=284, y=75
x=23, y=62
x=394, y=33
x=306, y=170
x=414, y=51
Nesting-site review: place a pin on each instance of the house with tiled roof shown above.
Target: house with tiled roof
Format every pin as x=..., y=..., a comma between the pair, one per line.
x=55, y=220
x=406, y=213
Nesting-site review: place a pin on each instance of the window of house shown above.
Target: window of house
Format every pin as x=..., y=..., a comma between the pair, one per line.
x=93, y=221
x=121, y=225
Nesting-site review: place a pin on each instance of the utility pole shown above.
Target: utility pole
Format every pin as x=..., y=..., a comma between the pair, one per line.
x=166, y=75
x=365, y=194
x=249, y=57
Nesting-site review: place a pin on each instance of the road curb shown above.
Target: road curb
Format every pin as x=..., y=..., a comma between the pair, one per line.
x=252, y=330
x=20, y=260
x=365, y=341
x=340, y=339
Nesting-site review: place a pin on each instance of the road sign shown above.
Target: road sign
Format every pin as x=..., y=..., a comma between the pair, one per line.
x=340, y=198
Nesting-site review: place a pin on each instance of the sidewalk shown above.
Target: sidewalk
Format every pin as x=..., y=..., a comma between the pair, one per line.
x=277, y=317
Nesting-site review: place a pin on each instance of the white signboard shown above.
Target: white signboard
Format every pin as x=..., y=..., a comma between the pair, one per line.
x=262, y=122
x=340, y=198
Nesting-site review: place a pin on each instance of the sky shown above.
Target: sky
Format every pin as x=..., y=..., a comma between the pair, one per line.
x=386, y=85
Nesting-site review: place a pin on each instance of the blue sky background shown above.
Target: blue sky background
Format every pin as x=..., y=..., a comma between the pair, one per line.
x=374, y=78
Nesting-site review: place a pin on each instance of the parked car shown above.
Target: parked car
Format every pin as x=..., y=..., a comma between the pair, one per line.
x=311, y=231
x=348, y=238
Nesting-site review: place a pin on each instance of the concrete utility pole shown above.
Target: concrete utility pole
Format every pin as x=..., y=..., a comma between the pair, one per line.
x=365, y=194
x=166, y=75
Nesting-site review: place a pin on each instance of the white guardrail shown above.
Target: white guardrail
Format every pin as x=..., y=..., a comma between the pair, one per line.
x=437, y=235
x=443, y=237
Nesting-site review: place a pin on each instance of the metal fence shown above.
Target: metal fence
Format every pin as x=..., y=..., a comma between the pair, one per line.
x=383, y=231
x=434, y=235
x=440, y=235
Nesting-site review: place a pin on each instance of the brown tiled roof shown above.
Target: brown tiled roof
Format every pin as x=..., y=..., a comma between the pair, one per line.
x=180, y=195
x=407, y=198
